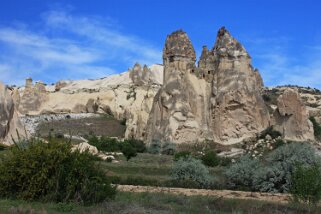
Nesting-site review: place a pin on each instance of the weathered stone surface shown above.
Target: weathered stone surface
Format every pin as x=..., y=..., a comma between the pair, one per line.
x=291, y=117
x=180, y=109
x=60, y=84
x=238, y=110
x=32, y=97
x=140, y=76
x=9, y=120
x=219, y=100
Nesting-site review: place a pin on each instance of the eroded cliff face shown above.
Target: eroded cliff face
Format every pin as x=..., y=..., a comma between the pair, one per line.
x=219, y=100
x=127, y=96
x=9, y=120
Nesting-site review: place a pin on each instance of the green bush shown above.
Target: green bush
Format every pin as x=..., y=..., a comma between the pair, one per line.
x=51, y=172
x=128, y=150
x=191, y=170
x=306, y=184
x=270, y=131
x=211, y=159
x=168, y=148
x=275, y=174
x=139, y=145
x=105, y=144
x=240, y=175
x=317, y=128
x=278, y=143
x=182, y=155
x=155, y=147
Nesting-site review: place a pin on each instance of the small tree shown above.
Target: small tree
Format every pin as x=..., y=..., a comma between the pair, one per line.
x=168, y=148
x=155, y=147
x=182, y=155
x=210, y=159
x=191, y=170
x=240, y=174
x=306, y=184
x=128, y=150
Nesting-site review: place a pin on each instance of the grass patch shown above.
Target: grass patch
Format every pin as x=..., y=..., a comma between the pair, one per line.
x=126, y=202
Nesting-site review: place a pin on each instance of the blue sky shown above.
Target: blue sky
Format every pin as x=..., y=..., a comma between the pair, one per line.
x=92, y=39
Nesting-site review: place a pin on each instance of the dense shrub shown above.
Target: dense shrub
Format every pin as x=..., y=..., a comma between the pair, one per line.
x=182, y=155
x=211, y=159
x=51, y=172
x=306, y=184
x=155, y=147
x=278, y=143
x=105, y=144
x=275, y=175
x=128, y=150
x=138, y=145
x=270, y=131
x=168, y=148
x=240, y=175
x=191, y=170
x=317, y=128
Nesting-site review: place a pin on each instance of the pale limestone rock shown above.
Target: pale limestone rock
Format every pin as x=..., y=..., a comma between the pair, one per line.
x=83, y=147
x=32, y=97
x=180, y=109
x=291, y=117
x=219, y=100
x=9, y=120
x=60, y=84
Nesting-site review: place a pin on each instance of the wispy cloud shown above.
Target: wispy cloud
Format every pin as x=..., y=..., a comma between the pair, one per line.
x=69, y=47
x=281, y=64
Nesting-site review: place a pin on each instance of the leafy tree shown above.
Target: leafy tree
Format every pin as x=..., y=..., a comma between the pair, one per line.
x=137, y=144
x=240, y=175
x=306, y=184
x=168, y=148
x=191, y=170
x=211, y=159
x=52, y=172
x=182, y=155
x=275, y=175
x=155, y=147
x=128, y=150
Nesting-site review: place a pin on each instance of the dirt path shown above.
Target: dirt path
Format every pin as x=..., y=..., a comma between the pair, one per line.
x=271, y=197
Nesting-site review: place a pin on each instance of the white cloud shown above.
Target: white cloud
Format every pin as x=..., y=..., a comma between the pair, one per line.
x=69, y=47
x=281, y=65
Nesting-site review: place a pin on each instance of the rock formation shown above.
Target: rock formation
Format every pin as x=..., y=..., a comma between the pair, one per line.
x=180, y=109
x=9, y=120
x=32, y=97
x=218, y=100
x=291, y=117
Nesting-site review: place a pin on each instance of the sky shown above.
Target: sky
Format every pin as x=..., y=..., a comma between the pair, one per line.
x=53, y=40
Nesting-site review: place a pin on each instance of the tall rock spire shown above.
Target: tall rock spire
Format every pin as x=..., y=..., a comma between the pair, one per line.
x=227, y=46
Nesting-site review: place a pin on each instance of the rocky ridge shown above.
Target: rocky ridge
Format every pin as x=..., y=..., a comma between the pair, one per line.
x=222, y=99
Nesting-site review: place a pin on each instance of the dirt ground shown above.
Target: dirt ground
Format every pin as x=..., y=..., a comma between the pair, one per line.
x=270, y=197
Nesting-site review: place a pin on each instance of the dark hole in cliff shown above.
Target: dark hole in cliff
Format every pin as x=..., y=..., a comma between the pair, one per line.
x=209, y=72
x=203, y=75
x=171, y=59
x=192, y=71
